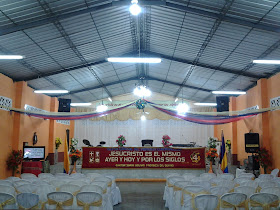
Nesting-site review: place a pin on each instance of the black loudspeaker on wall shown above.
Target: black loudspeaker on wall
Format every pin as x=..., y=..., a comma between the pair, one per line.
x=222, y=103
x=64, y=105
x=252, y=144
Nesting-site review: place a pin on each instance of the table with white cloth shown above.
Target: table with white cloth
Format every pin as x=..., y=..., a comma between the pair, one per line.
x=143, y=162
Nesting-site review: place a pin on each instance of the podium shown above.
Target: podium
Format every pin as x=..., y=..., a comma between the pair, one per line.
x=147, y=141
x=34, y=167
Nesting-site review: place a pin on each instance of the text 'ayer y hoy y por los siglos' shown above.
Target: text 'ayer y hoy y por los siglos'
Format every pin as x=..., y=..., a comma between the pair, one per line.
x=145, y=159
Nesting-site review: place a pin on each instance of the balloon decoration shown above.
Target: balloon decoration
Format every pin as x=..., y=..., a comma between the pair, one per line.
x=140, y=104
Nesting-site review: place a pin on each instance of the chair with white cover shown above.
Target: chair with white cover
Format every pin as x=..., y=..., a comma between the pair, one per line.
x=32, y=179
x=239, y=172
x=89, y=200
x=177, y=194
x=247, y=175
x=43, y=191
x=7, y=201
x=271, y=190
x=6, y=183
x=7, y=189
x=58, y=183
x=264, y=201
x=275, y=172
x=92, y=176
x=21, y=182
x=168, y=191
x=28, y=201
x=216, y=180
x=206, y=202
x=234, y=201
x=59, y=200
x=27, y=175
x=26, y=188
x=45, y=176
x=96, y=189
x=251, y=183
x=70, y=188
x=166, y=184
x=61, y=175
x=40, y=182
x=226, y=183
x=239, y=181
x=79, y=183
x=13, y=179
x=227, y=176
x=115, y=191
x=207, y=176
x=205, y=184
x=106, y=198
x=189, y=193
x=172, y=174
x=219, y=191
x=188, y=176
x=245, y=190
x=265, y=177
x=265, y=184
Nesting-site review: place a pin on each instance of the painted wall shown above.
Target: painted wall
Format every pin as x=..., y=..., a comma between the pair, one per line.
x=267, y=124
x=17, y=128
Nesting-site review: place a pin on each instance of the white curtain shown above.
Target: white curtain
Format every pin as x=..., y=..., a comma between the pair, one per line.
x=180, y=132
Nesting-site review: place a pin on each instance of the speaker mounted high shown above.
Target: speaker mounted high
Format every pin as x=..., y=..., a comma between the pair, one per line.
x=64, y=105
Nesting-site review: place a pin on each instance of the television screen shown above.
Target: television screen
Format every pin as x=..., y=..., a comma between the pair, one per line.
x=34, y=153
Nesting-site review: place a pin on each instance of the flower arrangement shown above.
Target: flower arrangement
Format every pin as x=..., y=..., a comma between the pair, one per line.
x=212, y=142
x=264, y=159
x=228, y=145
x=165, y=141
x=121, y=141
x=75, y=154
x=57, y=142
x=14, y=160
x=211, y=154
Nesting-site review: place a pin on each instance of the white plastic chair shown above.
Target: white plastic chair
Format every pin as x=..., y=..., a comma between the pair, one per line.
x=275, y=172
x=177, y=193
x=92, y=199
x=63, y=200
x=26, y=188
x=266, y=177
x=262, y=200
x=271, y=190
x=232, y=201
x=43, y=191
x=28, y=201
x=245, y=190
x=7, y=201
x=6, y=183
x=206, y=202
x=229, y=177
x=115, y=191
x=189, y=193
x=7, y=189
x=219, y=191
x=27, y=175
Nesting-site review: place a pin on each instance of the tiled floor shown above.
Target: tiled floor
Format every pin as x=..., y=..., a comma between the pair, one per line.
x=141, y=196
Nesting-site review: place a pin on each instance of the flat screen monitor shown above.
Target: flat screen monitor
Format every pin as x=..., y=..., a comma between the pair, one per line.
x=34, y=153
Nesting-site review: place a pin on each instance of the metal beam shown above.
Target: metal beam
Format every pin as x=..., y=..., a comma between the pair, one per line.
x=180, y=60
x=66, y=14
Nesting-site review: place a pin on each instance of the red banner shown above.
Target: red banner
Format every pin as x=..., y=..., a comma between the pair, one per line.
x=143, y=157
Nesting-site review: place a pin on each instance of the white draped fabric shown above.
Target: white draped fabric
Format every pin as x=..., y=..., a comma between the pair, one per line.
x=180, y=132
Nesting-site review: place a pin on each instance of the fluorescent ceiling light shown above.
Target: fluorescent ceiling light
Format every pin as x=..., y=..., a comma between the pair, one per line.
x=176, y=99
x=143, y=117
x=182, y=108
x=101, y=108
x=11, y=57
x=51, y=91
x=229, y=92
x=135, y=9
x=142, y=91
x=109, y=98
x=134, y=60
x=80, y=104
x=205, y=104
x=267, y=61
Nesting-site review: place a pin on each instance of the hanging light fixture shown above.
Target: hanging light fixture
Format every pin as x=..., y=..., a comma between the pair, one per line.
x=142, y=91
x=102, y=107
x=143, y=117
x=135, y=9
x=182, y=108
